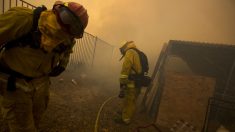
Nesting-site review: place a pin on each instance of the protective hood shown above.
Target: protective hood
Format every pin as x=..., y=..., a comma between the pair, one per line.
x=52, y=33
x=127, y=45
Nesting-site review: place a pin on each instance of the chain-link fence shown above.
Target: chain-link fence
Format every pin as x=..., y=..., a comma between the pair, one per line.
x=91, y=52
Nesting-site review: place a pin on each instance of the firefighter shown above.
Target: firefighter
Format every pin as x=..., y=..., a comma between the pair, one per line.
x=129, y=89
x=35, y=45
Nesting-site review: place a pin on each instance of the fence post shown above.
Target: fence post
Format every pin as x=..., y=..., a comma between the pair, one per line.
x=93, y=58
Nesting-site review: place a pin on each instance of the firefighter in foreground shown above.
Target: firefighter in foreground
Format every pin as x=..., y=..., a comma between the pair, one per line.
x=130, y=85
x=35, y=45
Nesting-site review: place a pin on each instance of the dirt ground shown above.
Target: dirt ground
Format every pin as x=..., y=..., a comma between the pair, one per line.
x=185, y=97
x=75, y=100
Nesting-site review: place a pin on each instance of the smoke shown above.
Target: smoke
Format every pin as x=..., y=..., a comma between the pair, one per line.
x=151, y=23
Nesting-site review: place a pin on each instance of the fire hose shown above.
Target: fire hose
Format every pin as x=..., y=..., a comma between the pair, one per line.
x=98, y=114
x=137, y=129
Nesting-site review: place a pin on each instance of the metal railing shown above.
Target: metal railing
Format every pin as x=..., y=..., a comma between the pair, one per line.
x=7, y=4
x=25, y=4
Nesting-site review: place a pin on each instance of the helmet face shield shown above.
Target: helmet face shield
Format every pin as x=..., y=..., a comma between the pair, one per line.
x=69, y=21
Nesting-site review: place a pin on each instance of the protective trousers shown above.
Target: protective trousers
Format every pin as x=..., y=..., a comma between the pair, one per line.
x=24, y=107
x=129, y=101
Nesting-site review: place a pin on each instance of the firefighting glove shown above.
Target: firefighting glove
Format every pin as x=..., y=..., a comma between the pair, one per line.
x=11, y=84
x=56, y=71
x=122, y=91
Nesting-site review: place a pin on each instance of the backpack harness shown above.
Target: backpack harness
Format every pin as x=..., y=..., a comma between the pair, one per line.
x=33, y=38
x=142, y=79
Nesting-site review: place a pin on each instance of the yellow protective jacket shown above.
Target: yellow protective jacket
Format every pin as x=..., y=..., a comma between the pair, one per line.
x=25, y=60
x=131, y=64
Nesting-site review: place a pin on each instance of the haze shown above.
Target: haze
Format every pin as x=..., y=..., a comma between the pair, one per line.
x=151, y=23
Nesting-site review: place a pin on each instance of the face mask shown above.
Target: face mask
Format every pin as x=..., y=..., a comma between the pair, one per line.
x=52, y=34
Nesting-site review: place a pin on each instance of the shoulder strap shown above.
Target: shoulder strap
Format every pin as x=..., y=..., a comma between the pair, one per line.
x=35, y=33
x=36, y=15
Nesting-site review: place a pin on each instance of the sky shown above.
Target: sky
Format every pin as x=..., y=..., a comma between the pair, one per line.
x=151, y=23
